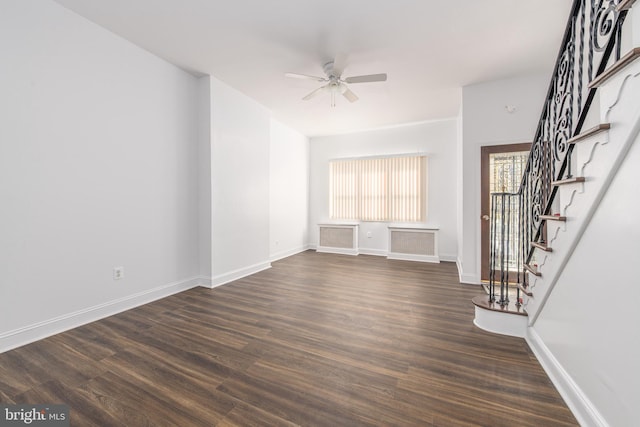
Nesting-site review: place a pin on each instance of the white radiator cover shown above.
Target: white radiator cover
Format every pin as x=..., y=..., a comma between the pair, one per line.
x=338, y=238
x=413, y=244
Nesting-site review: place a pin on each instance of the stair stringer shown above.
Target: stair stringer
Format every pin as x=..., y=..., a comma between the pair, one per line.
x=597, y=159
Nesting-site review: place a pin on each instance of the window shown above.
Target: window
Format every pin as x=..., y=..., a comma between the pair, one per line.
x=378, y=189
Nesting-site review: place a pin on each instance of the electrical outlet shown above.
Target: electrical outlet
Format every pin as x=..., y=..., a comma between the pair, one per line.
x=369, y=234
x=118, y=273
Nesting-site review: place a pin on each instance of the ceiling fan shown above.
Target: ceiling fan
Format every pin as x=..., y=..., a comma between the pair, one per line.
x=334, y=81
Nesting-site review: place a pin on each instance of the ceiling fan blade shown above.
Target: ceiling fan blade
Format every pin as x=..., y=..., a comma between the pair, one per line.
x=366, y=79
x=305, y=77
x=315, y=93
x=347, y=93
x=339, y=64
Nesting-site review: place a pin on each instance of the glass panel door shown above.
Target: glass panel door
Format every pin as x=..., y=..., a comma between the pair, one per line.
x=505, y=175
x=502, y=167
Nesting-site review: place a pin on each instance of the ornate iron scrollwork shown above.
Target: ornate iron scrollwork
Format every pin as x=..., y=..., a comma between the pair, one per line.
x=592, y=34
x=605, y=17
x=564, y=98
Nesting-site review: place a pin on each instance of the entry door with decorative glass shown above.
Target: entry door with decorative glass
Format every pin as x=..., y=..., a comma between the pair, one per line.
x=502, y=168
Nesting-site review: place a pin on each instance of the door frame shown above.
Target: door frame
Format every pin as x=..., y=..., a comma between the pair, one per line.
x=485, y=151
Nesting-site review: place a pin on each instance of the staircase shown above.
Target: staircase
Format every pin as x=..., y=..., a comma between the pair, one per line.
x=569, y=170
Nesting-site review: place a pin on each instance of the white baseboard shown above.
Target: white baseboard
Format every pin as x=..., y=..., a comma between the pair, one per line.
x=225, y=278
x=205, y=281
x=375, y=252
x=467, y=279
x=341, y=251
x=37, y=331
x=410, y=257
x=383, y=253
x=448, y=258
x=574, y=397
x=285, y=254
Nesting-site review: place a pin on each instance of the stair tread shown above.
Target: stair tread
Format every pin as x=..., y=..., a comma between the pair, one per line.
x=525, y=290
x=553, y=217
x=589, y=132
x=533, y=270
x=482, y=301
x=632, y=55
x=568, y=180
x=541, y=246
x=625, y=5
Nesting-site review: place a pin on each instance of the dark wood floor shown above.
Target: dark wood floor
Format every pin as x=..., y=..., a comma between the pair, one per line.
x=319, y=340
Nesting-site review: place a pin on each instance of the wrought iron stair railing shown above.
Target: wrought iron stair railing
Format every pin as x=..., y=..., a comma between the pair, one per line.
x=592, y=40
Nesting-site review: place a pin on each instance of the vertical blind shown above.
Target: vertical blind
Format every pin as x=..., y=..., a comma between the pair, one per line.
x=380, y=189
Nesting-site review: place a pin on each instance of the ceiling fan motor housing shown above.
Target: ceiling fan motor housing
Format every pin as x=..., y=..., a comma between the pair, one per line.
x=328, y=69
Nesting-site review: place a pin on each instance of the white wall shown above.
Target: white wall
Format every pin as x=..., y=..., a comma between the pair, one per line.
x=437, y=139
x=485, y=121
x=240, y=137
x=459, y=193
x=204, y=179
x=589, y=323
x=289, y=191
x=253, y=185
x=98, y=168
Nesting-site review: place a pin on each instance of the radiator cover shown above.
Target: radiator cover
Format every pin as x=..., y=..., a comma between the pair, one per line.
x=338, y=238
x=413, y=244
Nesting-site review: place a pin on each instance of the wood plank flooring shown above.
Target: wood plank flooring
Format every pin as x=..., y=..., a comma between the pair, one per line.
x=317, y=340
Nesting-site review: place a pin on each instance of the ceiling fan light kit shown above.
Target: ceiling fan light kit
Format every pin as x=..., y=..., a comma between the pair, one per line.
x=334, y=82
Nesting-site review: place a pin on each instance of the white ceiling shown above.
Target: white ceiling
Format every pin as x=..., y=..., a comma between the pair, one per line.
x=429, y=49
